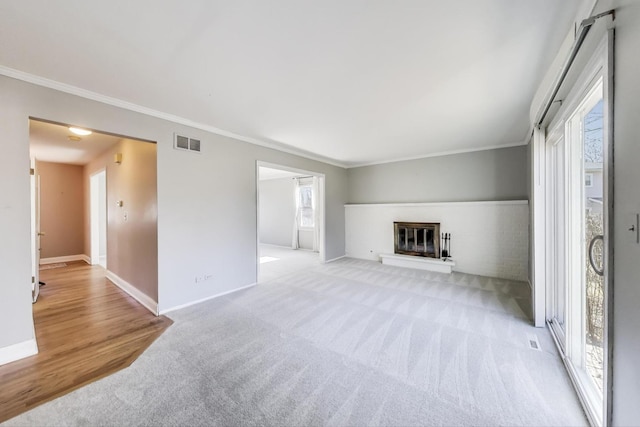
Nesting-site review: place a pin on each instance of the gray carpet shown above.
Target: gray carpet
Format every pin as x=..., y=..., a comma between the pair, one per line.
x=348, y=343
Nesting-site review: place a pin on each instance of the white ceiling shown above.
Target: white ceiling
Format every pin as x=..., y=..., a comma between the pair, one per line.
x=355, y=81
x=50, y=142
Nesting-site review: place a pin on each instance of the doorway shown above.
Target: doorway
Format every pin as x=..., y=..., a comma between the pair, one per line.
x=98, y=212
x=577, y=217
x=290, y=220
x=98, y=187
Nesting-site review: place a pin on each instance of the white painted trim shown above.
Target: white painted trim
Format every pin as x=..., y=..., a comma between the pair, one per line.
x=68, y=258
x=420, y=263
x=427, y=204
x=18, y=351
x=94, y=215
x=322, y=198
x=335, y=259
x=134, y=292
x=83, y=93
x=189, y=304
x=438, y=154
x=574, y=376
x=276, y=246
x=539, y=228
x=94, y=96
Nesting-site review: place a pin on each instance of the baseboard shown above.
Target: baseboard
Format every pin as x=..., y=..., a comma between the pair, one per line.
x=334, y=259
x=276, y=246
x=134, y=292
x=68, y=258
x=189, y=304
x=18, y=351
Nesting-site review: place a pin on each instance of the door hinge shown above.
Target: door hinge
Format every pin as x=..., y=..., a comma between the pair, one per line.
x=32, y=171
x=33, y=279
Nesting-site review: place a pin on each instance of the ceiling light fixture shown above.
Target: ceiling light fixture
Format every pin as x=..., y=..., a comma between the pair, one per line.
x=79, y=131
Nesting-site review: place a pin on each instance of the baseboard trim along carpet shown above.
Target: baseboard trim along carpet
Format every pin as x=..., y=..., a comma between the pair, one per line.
x=335, y=259
x=189, y=304
x=134, y=292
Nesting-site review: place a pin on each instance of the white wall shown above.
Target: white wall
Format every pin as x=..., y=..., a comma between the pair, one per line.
x=487, y=238
x=206, y=202
x=626, y=312
x=277, y=211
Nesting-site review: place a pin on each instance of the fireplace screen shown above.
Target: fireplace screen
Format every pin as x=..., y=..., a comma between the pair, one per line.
x=417, y=238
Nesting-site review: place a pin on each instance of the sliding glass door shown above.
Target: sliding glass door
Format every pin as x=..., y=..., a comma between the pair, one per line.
x=576, y=224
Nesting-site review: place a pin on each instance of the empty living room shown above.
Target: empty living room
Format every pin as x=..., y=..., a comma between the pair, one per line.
x=350, y=213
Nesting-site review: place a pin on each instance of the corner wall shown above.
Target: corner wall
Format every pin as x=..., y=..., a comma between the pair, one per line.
x=132, y=236
x=478, y=197
x=206, y=202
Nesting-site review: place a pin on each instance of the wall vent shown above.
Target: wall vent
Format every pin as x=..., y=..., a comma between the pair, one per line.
x=181, y=142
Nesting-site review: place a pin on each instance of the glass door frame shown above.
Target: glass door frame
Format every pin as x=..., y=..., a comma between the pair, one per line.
x=598, y=71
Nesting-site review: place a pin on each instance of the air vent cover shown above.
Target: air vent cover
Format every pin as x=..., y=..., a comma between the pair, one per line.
x=185, y=143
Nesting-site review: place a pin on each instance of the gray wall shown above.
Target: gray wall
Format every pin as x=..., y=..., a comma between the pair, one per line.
x=207, y=209
x=277, y=211
x=499, y=174
x=626, y=312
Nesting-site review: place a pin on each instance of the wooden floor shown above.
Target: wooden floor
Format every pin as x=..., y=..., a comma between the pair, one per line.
x=86, y=328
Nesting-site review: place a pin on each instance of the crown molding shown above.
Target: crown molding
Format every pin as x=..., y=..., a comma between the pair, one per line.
x=105, y=99
x=438, y=154
x=115, y=102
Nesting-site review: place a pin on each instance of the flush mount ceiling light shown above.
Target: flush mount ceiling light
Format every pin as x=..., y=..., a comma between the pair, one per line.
x=79, y=131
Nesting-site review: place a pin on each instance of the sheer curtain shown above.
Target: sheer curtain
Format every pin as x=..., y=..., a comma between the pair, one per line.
x=295, y=240
x=316, y=214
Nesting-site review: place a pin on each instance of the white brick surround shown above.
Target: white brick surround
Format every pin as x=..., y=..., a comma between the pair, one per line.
x=488, y=238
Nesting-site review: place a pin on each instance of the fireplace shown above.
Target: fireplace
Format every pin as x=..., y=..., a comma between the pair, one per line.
x=417, y=238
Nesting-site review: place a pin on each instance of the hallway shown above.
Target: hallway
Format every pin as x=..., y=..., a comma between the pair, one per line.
x=86, y=329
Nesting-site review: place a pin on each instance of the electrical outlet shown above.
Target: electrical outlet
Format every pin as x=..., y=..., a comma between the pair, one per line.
x=203, y=278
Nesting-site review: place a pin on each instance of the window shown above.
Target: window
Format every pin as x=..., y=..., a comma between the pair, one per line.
x=305, y=204
x=588, y=180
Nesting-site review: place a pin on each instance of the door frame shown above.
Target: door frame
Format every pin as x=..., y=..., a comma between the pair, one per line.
x=35, y=229
x=599, y=67
x=321, y=200
x=94, y=213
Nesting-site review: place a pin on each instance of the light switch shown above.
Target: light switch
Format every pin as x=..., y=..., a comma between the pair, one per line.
x=632, y=227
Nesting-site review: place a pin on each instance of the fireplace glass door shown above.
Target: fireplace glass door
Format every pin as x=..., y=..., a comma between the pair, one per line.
x=417, y=238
